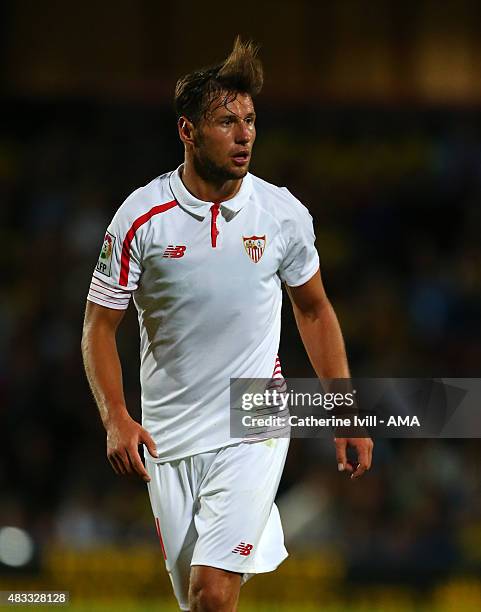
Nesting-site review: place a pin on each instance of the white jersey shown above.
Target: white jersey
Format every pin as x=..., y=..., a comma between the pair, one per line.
x=206, y=282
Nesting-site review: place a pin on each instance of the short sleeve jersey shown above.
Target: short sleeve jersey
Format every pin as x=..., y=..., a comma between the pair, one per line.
x=206, y=282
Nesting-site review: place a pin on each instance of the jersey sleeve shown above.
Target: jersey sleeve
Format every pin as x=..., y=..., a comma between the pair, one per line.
x=301, y=259
x=117, y=273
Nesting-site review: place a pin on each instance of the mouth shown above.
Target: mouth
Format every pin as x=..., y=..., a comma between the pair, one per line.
x=241, y=158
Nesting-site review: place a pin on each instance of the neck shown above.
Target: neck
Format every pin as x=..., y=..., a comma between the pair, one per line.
x=206, y=190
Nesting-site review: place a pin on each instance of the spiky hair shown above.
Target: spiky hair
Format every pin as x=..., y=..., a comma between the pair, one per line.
x=241, y=72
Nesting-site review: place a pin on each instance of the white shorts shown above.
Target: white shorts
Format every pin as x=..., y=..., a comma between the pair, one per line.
x=217, y=509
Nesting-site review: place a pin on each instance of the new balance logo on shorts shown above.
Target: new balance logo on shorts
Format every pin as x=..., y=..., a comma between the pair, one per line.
x=243, y=549
x=174, y=252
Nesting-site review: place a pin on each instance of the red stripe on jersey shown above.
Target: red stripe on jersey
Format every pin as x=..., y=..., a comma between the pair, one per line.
x=157, y=524
x=125, y=257
x=277, y=367
x=214, y=232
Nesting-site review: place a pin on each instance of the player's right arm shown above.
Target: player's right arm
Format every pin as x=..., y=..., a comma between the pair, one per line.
x=104, y=373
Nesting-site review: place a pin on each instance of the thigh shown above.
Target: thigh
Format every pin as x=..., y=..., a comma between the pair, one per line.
x=236, y=500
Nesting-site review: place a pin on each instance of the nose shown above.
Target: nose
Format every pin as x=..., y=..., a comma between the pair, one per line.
x=244, y=133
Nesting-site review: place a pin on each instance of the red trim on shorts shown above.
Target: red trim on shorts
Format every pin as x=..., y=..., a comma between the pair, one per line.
x=157, y=524
x=125, y=257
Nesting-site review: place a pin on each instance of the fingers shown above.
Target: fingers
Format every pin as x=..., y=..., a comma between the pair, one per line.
x=115, y=466
x=364, y=448
x=341, y=455
x=128, y=462
x=137, y=466
x=119, y=463
x=146, y=438
x=125, y=458
x=361, y=468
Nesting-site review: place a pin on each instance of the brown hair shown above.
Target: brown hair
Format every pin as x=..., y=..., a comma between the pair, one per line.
x=241, y=72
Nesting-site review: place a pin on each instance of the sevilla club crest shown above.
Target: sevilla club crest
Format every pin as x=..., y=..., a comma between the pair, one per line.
x=254, y=246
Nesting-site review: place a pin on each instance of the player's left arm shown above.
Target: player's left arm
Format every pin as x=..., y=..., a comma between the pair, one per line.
x=322, y=338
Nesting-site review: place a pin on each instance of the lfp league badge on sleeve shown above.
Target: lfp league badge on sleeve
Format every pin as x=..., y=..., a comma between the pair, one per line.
x=104, y=263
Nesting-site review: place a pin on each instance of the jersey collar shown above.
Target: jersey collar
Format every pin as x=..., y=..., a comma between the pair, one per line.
x=200, y=208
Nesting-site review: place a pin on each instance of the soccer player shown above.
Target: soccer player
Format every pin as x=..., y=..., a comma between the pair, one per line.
x=203, y=251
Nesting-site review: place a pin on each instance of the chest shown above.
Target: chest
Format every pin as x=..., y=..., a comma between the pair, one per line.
x=224, y=251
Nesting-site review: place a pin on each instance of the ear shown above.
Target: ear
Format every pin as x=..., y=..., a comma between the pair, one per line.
x=186, y=130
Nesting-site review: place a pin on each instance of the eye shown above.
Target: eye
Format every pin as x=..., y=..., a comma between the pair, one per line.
x=226, y=121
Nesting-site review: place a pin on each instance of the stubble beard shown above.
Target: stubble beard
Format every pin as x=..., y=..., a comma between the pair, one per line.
x=211, y=172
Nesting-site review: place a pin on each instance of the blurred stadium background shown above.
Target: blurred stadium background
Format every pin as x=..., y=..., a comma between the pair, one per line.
x=371, y=115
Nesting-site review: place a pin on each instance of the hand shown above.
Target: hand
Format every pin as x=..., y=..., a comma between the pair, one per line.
x=363, y=448
x=123, y=439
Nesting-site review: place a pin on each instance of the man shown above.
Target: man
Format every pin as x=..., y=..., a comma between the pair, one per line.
x=203, y=251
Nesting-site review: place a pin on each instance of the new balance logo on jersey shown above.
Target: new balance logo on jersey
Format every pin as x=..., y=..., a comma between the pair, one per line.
x=243, y=549
x=174, y=252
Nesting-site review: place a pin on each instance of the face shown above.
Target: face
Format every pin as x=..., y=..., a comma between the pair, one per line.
x=222, y=143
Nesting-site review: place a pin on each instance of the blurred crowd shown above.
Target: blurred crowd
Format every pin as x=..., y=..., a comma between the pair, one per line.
x=396, y=201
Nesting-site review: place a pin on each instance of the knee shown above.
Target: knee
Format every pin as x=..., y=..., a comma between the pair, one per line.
x=208, y=597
